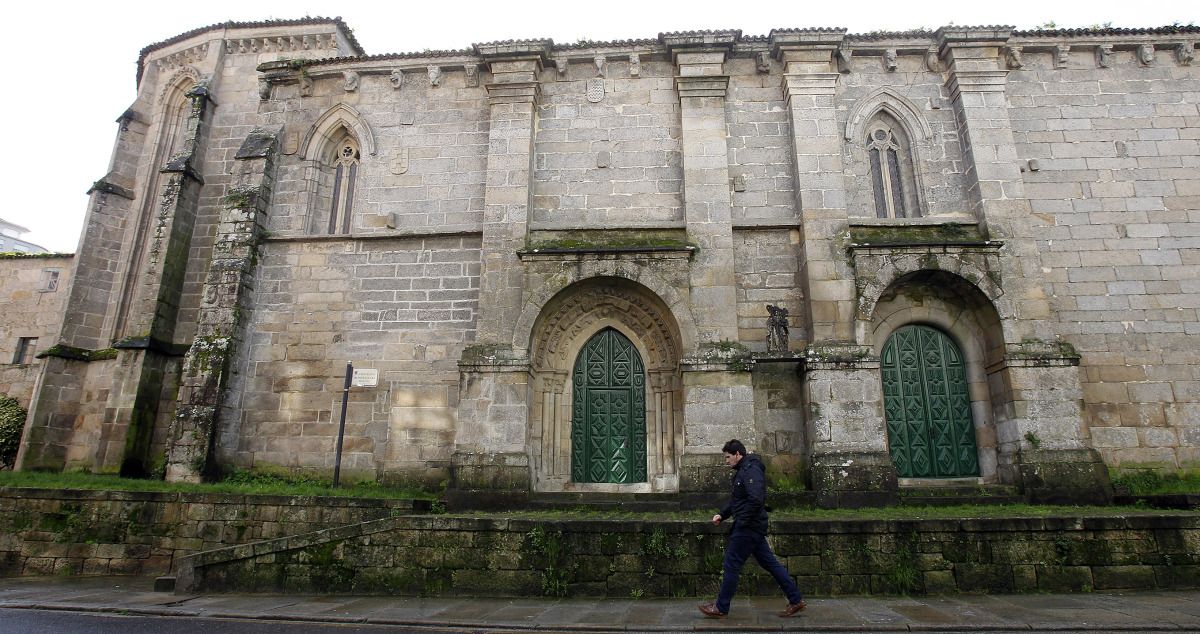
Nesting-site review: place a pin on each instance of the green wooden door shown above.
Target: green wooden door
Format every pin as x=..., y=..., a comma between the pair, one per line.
x=608, y=422
x=927, y=407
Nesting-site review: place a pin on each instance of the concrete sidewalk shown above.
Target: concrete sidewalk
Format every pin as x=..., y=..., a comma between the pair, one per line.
x=1177, y=611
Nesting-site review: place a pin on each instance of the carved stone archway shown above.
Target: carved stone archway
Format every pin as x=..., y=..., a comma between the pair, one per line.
x=565, y=324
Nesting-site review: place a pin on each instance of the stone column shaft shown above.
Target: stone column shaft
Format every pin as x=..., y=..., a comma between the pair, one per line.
x=707, y=192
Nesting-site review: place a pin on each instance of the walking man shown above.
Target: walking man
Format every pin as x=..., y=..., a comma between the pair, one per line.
x=747, y=507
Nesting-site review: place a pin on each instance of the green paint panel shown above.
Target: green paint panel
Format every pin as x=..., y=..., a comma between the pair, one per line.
x=608, y=422
x=926, y=405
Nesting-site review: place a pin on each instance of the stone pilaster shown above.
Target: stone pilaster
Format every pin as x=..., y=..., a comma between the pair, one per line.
x=512, y=102
x=847, y=431
x=490, y=452
x=810, y=82
x=1039, y=420
x=702, y=83
x=226, y=297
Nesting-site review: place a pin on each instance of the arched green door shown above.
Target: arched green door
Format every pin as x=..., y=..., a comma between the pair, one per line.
x=927, y=407
x=608, y=422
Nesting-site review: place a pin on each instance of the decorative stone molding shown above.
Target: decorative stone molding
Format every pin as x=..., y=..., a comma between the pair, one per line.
x=341, y=114
x=595, y=90
x=293, y=43
x=182, y=58
x=183, y=80
x=893, y=103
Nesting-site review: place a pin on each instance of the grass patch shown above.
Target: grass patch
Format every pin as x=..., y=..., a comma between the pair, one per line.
x=1149, y=482
x=239, y=483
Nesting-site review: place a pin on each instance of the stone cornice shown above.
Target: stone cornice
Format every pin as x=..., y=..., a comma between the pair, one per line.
x=783, y=39
x=514, y=49
x=699, y=41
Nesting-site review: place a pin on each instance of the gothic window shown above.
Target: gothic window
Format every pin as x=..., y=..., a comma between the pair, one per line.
x=892, y=178
x=345, y=173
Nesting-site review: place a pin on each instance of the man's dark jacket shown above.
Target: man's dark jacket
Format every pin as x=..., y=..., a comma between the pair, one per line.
x=747, y=503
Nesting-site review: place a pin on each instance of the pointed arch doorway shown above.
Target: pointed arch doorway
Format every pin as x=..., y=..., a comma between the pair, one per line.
x=608, y=422
x=928, y=410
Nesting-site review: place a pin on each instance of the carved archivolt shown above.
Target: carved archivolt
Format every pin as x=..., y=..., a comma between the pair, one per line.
x=653, y=285
x=886, y=272
x=580, y=310
x=325, y=129
x=182, y=81
x=894, y=104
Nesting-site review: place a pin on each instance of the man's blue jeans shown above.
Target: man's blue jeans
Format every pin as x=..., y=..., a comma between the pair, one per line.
x=742, y=544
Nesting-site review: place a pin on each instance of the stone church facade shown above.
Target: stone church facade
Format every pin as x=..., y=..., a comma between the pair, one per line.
x=559, y=259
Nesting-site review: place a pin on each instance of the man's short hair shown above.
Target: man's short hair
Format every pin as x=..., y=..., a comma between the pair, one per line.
x=734, y=446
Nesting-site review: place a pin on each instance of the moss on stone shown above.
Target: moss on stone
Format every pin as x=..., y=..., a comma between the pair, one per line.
x=904, y=234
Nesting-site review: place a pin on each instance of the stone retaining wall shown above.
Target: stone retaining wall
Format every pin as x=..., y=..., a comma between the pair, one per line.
x=44, y=531
x=441, y=555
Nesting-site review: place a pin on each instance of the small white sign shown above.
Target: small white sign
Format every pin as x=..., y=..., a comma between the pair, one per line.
x=365, y=378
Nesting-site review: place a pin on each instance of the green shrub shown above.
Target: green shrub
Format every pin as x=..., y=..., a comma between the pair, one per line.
x=12, y=424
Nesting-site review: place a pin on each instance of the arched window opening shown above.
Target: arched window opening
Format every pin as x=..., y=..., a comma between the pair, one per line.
x=892, y=177
x=345, y=174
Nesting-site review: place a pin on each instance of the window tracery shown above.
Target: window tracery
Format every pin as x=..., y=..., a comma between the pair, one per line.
x=345, y=175
x=892, y=179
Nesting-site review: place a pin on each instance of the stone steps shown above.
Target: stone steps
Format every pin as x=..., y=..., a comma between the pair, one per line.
x=956, y=494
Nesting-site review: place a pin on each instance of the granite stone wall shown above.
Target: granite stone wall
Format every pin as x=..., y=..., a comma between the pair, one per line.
x=434, y=556
x=70, y=532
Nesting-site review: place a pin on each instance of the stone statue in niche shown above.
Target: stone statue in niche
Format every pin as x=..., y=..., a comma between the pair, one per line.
x=889, y=60
x=435, y=76
x=350, y=80
x=1185, y=53
x=397, y=78
x=1012, y=58
x=777, y=330
x=1104, y=56
x=1145, y=54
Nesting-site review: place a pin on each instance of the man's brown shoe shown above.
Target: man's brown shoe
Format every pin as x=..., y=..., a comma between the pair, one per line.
x=793, y=609
x=711, y=612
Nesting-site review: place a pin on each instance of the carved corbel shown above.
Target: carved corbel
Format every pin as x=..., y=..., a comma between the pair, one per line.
x=843, y=59
x=1185, y=52
x=1145, y=54
x=435, y=76
x=264, y=90
x=635, y=65
x=932, y=62
x=560, y=65
x=472, y=72
x=306, y=85
x=397, y=78
x=1012, y=58
x=601, y=66
x=1062, y=56
x=762, y=62
x=350, y=80
x=1104, y=56
x=890, y=62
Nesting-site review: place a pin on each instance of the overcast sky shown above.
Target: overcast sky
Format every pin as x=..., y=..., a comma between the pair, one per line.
x=71, y=68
